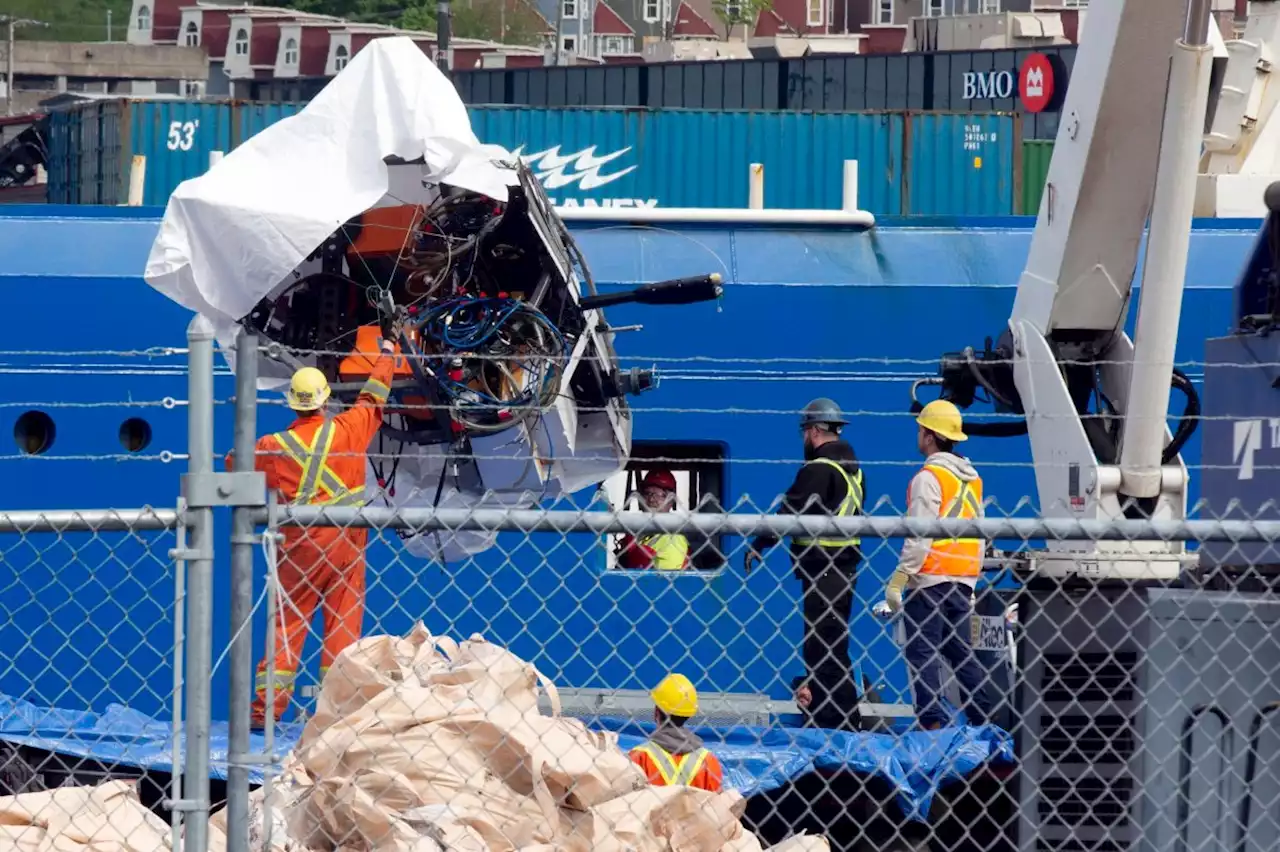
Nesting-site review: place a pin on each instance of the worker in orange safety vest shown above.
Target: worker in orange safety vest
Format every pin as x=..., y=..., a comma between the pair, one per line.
x=320, y=460
x=675, y=755
x=941, y=574
x=663, y=551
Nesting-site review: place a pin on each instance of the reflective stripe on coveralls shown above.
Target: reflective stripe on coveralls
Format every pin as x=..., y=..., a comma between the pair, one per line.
x=851, y=504
x=313, y=460
x=675, y=770
x=956, y=557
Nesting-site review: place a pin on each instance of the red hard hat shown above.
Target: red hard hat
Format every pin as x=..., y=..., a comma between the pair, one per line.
x=659, y=479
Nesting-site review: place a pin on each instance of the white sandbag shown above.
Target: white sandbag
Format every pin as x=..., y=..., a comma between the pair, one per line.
x=105, y=818
x=369, y=667
x=286, y=789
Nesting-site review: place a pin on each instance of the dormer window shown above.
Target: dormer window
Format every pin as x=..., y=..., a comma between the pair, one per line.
x=144, y=19
x=340, y=57
x=291, y=52
x=242, y=42
x=191, y=34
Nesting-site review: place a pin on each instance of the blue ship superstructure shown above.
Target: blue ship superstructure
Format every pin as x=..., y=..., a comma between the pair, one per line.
x=808, y=311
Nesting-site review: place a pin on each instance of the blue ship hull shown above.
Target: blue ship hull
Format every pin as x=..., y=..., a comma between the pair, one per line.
x=807, y=312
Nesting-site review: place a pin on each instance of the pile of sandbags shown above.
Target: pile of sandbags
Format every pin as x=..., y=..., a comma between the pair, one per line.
x=423, y=744
x=106, y=817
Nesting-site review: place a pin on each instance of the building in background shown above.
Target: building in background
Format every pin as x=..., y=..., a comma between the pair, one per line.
x=272, y=53
x=46, y=68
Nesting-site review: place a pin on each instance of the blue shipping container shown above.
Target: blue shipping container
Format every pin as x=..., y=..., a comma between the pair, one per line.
x=636, y=158
x=918, y=164
x=961, y=164
x=92, y=146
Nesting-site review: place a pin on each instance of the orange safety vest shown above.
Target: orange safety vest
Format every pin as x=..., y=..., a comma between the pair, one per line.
x=680, y=769
x=955, y=557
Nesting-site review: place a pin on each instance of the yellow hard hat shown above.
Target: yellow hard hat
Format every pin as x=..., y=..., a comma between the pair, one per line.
x=943, y=418
x=676, y=696
x=309, y=390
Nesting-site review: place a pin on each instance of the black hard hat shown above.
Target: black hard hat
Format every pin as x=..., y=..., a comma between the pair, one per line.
x=822, y=410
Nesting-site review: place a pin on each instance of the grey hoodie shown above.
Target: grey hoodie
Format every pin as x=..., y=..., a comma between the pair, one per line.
x=925, y=495
x=675, y=740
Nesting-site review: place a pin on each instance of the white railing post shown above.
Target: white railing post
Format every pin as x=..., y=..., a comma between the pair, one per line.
x=849, y=198
x=755, y=187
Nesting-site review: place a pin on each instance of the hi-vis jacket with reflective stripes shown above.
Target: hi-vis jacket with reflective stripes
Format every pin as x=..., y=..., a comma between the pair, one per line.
x=956, y=557
x=699, y=768
x=323, y=460
x=849, y=506
x=947, y=486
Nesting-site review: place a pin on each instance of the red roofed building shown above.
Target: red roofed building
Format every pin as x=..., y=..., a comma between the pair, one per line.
x=690, y=24
x=611, y=35
x=272, y=53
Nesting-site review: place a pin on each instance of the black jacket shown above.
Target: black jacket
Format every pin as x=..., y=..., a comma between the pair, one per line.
x=818, y=488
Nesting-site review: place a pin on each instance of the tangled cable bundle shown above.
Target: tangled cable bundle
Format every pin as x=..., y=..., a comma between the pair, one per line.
x=502, y=358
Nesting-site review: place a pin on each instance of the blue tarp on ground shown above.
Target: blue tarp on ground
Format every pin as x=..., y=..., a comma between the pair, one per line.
x=756, y=760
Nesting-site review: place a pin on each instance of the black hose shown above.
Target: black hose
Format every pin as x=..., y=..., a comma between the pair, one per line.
x=1005, y=429
x=1187, y=423
x=1189, y=420
x=976, y=369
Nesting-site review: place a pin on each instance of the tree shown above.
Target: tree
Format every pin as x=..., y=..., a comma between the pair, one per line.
x=365, y=11
x=505, y=21
x=734, y=12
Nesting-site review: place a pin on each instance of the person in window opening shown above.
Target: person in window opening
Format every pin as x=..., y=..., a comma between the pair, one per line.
x=675, y=755
x=831, y=482
x=941, y=574
x=663, y=551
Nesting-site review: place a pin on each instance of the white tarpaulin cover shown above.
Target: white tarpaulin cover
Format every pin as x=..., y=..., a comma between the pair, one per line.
x=230, y=236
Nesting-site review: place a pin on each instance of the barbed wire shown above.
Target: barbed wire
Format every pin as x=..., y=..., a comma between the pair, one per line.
x=271, y=349
x=641, y=463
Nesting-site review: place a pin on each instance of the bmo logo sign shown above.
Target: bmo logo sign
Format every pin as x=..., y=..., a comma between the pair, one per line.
x=1033, y=83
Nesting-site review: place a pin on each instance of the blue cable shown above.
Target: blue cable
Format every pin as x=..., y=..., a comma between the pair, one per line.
x=468, y=323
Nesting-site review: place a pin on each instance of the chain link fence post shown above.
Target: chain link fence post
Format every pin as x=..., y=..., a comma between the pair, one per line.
x=195, y=805
x=243, y=541
x=179, y=557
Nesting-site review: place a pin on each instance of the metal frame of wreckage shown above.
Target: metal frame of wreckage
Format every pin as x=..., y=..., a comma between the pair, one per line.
x=547, y=226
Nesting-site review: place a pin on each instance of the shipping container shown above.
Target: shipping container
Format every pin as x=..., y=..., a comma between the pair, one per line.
x=670, y=158
x=1036, y=154
x=961, y=165
x=637, y=158
x=92, y=145
x=951, y=81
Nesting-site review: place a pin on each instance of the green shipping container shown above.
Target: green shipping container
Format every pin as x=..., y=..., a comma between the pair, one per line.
x=1036, y=154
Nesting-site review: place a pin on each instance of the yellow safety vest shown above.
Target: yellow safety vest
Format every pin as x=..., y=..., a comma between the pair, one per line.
x=670, y=550
x=679, y=771
x=850, y=506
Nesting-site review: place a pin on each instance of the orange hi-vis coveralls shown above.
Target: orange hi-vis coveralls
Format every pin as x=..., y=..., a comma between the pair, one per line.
x=698, y=768
x=320, y=460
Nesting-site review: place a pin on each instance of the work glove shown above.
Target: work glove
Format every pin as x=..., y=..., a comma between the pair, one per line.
x=893, y=591
x=393, y=324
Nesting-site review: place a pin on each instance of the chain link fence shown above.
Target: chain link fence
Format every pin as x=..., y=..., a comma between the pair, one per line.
x=501, y=690
x=1119, y=716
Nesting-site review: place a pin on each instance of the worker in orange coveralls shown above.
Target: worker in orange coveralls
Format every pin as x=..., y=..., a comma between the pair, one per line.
x=663, y=551
x=320, y=460
x=674, y=755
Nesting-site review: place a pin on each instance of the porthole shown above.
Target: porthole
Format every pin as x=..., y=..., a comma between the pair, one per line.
x=135, y=434
x=34, y=433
